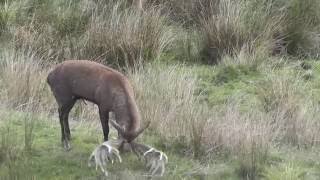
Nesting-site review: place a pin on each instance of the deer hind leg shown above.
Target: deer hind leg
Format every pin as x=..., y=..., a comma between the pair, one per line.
x=64, y=108
x=104, y=118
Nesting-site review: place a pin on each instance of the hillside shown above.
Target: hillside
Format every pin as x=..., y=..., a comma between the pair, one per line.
x=231, y=87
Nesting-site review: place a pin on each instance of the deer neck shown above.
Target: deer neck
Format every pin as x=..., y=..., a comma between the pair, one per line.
x=127, y=114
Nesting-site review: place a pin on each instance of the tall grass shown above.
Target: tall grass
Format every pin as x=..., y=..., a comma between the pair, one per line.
x=166, y=97
x=230, y=32
x=23, y=81
x=285, y=171
x=291, y=108
x=113, y=32
x=101, y=31
x=238, y=25
x=13, y=151
x=128, y=37
x=302, y=27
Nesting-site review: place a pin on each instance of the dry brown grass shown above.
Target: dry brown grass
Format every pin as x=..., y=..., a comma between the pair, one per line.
x=166, y=97
x=232, y=26
x=290, y=107
x=128, y=37
x=23, y=81
x=108, y=31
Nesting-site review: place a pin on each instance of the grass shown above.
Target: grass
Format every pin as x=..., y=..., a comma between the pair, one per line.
x=229, y=116
x=47, y=160
x=238, y=118
x=218, y=125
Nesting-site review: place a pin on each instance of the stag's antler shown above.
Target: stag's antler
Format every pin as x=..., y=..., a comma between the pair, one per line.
x=105, y=152
x=155, y=159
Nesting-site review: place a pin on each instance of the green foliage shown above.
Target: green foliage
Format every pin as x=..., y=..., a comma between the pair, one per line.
x=285, y=171
x=70, y=22
x=8, y=13
x=303, y=27
x=232, y=73
x=187, y=46
x=217, y=85
x=4, y=18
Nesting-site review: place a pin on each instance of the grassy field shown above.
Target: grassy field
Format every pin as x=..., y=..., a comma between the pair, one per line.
x=231, y=87
x=31, y=149
x=44, y=157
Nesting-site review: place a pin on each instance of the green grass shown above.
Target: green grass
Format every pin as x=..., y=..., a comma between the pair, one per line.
x=219, y=84
x=48, y=160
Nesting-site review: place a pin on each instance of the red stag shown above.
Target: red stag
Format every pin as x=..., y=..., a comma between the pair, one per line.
x=112, y=92
x=105, y=87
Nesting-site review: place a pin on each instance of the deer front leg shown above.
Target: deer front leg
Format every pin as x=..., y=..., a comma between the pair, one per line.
x=104, y=118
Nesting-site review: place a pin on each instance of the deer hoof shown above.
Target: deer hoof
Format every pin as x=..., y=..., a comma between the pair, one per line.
x=66, y=145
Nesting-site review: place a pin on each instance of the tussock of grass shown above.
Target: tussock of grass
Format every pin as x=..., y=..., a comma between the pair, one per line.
x=23, y=81
x=239, y=25
x=127, y=37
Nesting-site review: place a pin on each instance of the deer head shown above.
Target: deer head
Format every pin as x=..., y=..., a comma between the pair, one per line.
x=155, y=160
